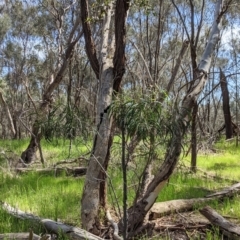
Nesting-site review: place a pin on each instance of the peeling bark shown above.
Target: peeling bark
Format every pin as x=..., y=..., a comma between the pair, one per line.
x=109, y=72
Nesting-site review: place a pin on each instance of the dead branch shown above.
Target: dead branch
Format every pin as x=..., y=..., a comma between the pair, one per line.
x=69, y=161
x=231, y=230
x=226, y=192
x=51, y=226
x=76, y=172
x=19, y=236
x=180, y=205
x=114, y=225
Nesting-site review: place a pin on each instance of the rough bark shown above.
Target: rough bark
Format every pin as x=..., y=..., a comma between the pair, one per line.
x=138, y=212
x=29, y=154
x=231, y=230
x=51, y=226
x=226, y=105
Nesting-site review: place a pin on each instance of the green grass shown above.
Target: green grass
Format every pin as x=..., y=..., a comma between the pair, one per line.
x=42, y=195
x=57, y=149
x=223, y=162
x=59, y=198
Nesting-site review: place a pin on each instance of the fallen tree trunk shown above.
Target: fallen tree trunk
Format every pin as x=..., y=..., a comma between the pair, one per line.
x=19, y=236
x=226, y=192
x=77, y=171
x=180, y=205
x=231, y=230
x=51, y=226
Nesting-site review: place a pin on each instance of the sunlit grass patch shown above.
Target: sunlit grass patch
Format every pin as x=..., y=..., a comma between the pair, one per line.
x=59, y=198
x=44, y=195
x=224, y=161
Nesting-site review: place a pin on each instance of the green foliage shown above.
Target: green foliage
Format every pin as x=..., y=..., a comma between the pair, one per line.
x=55, y=150
x=44, y=195
x=224, y=161
x=65, y=122
x=58, y=198
x=143, y=116
x=5, y=24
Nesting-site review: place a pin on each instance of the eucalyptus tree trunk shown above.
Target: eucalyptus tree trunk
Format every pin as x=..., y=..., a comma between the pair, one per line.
x=139, y=210
x=226, y=105
x=194, y=138
x=109, y=69
x=29, y=154
x=9, y=115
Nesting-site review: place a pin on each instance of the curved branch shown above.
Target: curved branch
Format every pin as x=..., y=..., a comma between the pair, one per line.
x=119, y=60
x=89, y=43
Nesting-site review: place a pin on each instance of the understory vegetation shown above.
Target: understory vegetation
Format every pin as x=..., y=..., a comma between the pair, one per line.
x=58, y=197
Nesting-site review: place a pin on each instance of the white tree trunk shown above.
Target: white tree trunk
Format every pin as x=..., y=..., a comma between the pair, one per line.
x=90, y=199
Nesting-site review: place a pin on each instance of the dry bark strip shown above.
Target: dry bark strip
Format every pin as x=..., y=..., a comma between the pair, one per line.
x=180, y=205
x=77, y=171
x=231, y=230
x=52, y=226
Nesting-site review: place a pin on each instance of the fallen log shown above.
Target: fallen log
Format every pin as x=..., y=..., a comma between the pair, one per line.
x=181, y=205
x=76, y=171
x=24, y=236
x=229, y=229
x=19, y=236
x=226, y=192
x=51, y=226
x=160, y=209
x=70, y=161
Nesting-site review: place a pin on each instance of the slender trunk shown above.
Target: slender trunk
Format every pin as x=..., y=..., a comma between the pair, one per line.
x=96, y=170
x=109, y=72
x=139, y=210
x=226, y=105
x=194, y=138
x=94, y=195
x=9, y=116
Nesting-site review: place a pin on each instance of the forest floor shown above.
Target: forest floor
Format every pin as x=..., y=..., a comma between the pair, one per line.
x=218, y=168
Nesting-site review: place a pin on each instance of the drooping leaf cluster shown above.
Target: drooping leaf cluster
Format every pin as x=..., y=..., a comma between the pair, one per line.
x=144, y=116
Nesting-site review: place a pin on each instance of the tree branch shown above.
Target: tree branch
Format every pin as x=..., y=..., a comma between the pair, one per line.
x=119, y=59
x=89, y=43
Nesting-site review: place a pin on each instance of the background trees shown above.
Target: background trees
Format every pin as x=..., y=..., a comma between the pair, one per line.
x=66, y=65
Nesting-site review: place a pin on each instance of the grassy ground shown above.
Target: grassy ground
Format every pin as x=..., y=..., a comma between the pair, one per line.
x=59, y=198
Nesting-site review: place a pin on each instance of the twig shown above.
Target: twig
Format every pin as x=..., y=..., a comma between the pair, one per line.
x=114, y=225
